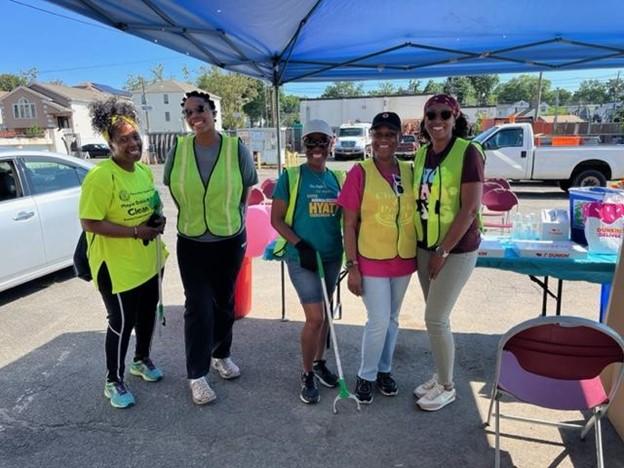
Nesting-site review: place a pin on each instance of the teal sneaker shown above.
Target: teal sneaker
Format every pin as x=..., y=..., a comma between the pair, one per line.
x=119, y=395
x=146, y=369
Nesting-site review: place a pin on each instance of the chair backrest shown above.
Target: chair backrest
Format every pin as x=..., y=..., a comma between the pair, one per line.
x=267, y=187
x=500, y=181
x=489, y=185
x=499, y=199
x=564, y=348
x=255, y=197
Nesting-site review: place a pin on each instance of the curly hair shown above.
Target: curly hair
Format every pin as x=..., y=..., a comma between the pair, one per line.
x=201, y=95
x=460, y=130
x=102, y=112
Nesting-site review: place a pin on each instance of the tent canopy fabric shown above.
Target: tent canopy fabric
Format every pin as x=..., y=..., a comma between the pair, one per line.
x=329, y=40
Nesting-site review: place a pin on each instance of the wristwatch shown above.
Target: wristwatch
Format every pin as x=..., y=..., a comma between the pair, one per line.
x=439, y=251
x=351, y=263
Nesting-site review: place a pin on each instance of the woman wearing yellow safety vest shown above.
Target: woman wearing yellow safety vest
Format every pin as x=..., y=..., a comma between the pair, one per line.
x=307, y=217
x=380, y=246
x=119, y=212
x=448, y=182
x=208, y=174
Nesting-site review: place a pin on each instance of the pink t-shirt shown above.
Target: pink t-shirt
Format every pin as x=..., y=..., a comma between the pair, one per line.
x=350, y=198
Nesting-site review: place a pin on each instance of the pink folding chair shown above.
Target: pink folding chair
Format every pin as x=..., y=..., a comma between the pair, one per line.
x=500, y=181
x=255, y=197
x=267, y=187
x=498, y=202
x=488, y=185
x=556, y=363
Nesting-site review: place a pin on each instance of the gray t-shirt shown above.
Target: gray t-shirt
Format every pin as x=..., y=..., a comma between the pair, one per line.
x=206, y=159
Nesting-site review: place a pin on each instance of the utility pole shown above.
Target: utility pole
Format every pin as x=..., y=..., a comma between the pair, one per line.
x=144, y=105
x=556, y=110
x=539, y=96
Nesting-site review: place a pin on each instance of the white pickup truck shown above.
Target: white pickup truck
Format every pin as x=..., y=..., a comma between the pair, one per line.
x=511, y=154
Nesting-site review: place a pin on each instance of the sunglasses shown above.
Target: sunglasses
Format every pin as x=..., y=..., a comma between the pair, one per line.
x=198, y=110
x=396, y=182
x=444, y=115
x=386, y=135
x=310, y=144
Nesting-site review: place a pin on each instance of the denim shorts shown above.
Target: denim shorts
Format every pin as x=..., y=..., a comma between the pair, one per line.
x=308, y=284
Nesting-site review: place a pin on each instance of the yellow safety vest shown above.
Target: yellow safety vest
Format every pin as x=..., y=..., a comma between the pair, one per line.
x=214, y=207
x=294, y=181
x=445, y=196
x=387, y=218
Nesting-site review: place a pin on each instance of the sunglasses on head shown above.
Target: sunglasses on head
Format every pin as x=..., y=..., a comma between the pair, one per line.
x=198, y=110
x=444, y=115
x=310, y=144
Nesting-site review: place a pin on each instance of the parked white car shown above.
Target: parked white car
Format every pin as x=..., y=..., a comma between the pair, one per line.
x=512, y=154
x=39, y=225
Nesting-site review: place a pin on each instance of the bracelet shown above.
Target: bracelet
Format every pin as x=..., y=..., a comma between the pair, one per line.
x=136, y=233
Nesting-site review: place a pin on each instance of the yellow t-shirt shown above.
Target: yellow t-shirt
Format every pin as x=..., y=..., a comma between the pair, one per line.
x=113, y=194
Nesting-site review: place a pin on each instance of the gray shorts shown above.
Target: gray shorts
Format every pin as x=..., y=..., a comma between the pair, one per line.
x=308, y=284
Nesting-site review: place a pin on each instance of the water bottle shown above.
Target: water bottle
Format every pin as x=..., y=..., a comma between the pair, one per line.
x=516, y=226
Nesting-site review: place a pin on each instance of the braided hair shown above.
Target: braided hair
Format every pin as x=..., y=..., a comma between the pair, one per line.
x=201, y=95
x=107, y=116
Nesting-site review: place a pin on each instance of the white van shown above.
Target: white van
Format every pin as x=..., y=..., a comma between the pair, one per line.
x=353, y=141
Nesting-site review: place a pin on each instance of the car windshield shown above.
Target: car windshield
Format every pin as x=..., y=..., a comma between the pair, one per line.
x=481, y=137
x=351, y=131
x=408, y=139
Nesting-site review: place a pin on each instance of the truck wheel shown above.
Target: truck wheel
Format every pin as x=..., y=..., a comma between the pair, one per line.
x=590, y=178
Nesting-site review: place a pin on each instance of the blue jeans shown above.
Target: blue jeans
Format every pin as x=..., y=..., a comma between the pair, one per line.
x=382, y=298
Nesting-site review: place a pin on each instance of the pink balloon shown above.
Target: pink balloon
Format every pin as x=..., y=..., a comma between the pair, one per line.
x=258, y=230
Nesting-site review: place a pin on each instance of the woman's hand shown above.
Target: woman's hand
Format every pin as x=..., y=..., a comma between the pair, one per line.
x=148, y=233
x=436, y=263
x=354, y=281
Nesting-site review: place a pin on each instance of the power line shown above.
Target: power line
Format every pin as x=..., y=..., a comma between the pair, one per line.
x=61, y=16
x=118, y=64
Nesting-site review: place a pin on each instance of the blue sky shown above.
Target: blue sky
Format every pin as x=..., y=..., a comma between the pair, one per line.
x=74, y=52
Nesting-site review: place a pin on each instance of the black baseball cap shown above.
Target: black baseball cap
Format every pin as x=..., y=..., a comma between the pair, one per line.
x=387, y=119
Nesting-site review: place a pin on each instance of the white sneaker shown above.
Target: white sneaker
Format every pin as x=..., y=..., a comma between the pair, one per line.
x=226, y=368
x=201, y=391
x=436, y=398
x=424, y=388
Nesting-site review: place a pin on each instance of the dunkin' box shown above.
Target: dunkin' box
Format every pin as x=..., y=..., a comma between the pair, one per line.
x=579, y=196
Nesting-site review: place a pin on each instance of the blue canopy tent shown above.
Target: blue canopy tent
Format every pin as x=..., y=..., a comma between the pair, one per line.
x=283, y=41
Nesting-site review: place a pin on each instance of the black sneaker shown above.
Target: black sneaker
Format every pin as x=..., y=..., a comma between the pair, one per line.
x=386, y=384
x=325, y=376
x=309, y=390
x=364, y=391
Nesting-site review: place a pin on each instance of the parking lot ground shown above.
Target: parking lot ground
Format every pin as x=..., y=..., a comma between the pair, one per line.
x=53, y=413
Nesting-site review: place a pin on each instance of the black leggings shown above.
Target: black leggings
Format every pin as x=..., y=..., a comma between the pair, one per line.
x=208, y=271
x=136, y=309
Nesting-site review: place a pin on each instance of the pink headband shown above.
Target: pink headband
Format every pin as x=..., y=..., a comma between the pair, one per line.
x=444, y=99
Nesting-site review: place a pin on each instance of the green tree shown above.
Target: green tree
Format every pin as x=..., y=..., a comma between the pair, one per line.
x=384, y=88
x=258, y=108
x=521, y=88
x=592, y=92
x=235, y=91
x=484, y=86
x=289, y=106
x=565, y=97
x=136, y=82
x=461, y=86
x=339, y=89
x=615, y=90
x=10, y=81
x=433, y=87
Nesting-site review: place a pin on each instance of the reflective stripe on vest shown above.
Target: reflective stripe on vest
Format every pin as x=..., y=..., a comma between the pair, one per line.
x=294, y=182
x=214, y=208
x=445, y=195
x=387, y=219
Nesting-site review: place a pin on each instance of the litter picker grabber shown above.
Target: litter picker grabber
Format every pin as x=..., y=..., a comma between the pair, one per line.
x=343, y=391
x=156, y=204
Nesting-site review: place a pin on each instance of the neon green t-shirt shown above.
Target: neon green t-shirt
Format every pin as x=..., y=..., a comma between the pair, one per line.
x=113, y=194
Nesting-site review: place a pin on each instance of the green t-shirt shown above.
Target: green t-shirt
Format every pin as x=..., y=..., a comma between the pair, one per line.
x=317, y=216
x=113, y=194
